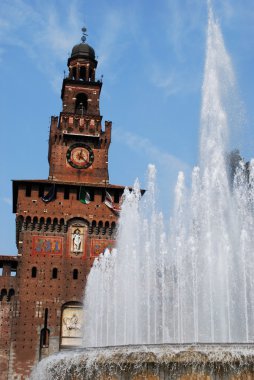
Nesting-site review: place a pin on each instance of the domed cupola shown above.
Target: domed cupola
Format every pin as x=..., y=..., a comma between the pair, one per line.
x=82, y=62
x=83, y=50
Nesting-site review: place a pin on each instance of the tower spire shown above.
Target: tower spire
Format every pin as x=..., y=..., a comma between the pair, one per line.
x=84, y=34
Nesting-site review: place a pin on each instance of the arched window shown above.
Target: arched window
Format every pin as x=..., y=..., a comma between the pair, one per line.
x=75, y=274
x=3, y=294
x=81, y=104
x=82, y=74
x=54, y=273
x=11, y=293
x=55, y=223
x=34, y=272
x=74, y=73
x=28, y=222
x=48, y=223
x=91, y=75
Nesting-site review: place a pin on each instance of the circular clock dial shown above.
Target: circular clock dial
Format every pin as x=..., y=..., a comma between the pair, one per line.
x=80, y=156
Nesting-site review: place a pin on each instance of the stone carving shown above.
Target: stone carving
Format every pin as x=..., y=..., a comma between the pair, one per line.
x=72, y=323
x=72, y=320
x=77, y=240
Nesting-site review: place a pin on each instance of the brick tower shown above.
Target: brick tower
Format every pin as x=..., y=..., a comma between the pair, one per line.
x=62, y=224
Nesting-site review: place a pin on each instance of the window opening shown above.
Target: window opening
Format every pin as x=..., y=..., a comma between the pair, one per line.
x=41, y=191
x=13, y=273
x=3, y=294
x=54, y=273
x=91, y=193
x=28, y=190
x=34, y=272
x=44, y=339
x=82, y=75
x=81, y=104
x=78, y=193
x=116, y=197
x=74, y=72
x=75, y=274
x=11, y=293
x=66, y=192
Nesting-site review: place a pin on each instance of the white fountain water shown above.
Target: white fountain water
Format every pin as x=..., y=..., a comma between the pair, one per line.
x=191, y=283
x=195, y=282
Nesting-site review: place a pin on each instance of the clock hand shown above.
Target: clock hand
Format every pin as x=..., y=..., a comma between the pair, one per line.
x=80, y=155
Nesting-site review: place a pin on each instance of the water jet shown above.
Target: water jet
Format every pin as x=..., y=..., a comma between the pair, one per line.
x=159, y=291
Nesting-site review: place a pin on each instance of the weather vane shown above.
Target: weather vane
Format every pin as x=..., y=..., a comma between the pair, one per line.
x=83, y=38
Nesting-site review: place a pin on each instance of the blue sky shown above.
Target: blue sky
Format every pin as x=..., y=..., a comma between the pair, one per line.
x=151, y=55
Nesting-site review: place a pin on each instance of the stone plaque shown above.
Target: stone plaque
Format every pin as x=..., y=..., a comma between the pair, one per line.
x=72, y=322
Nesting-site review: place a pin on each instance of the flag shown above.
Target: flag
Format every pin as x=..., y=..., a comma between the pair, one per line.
x=84, y=196
x=117, y=210
x=50, y=195
x=108, y=200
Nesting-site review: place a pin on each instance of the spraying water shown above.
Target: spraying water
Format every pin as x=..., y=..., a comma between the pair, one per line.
x=195, y=283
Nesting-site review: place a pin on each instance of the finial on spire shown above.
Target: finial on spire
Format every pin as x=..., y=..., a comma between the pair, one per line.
x=83, y=38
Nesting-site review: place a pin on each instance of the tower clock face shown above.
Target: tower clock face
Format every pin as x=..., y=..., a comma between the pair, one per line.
x=80, y=156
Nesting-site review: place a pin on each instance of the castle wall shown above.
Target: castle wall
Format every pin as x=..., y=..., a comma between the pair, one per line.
x=62, y=224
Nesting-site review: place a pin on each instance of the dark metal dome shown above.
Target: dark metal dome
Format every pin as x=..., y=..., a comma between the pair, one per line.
x=83, y=51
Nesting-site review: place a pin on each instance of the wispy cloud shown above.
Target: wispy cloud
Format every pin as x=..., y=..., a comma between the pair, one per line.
x=227, y=9
x=165, y=80
x=7, y=200
x=153, y=153
x=39, y=31
x=59, y=35
x=173, y=81
x=182, y=19
x=175, y=23
x=184, y=30
x=110, y=41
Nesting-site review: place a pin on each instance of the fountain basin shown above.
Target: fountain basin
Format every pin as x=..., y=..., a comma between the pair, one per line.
x=151, y=362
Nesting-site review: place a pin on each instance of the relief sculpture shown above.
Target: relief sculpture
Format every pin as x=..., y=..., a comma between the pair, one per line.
x=72, y=320
x=77, y=241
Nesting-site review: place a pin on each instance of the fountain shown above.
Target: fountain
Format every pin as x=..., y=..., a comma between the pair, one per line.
x=177, y=304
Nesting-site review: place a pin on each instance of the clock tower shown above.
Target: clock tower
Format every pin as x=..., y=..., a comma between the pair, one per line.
x=62, y=224
x=78, y=147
